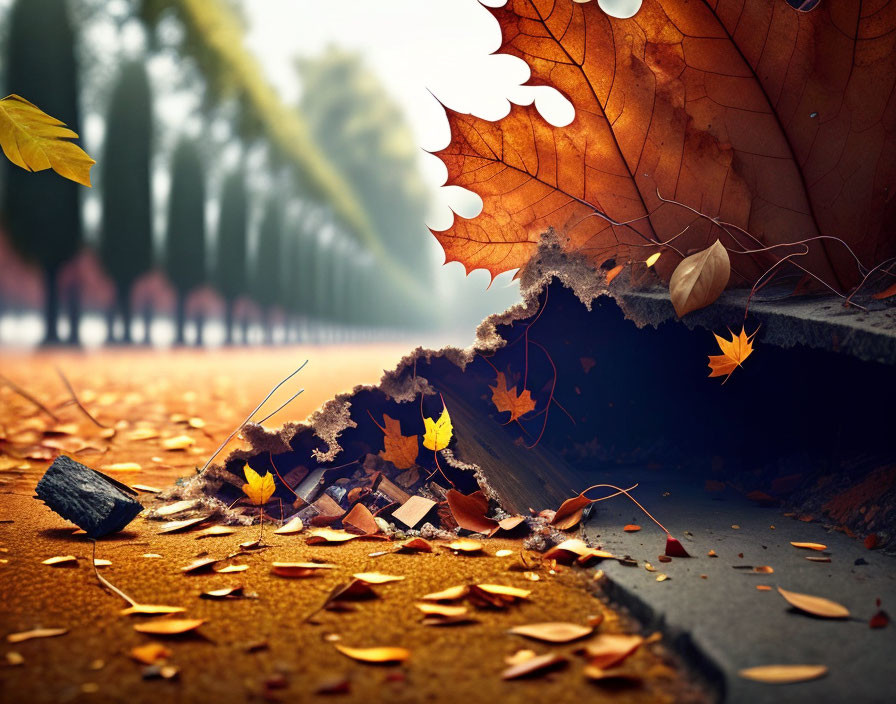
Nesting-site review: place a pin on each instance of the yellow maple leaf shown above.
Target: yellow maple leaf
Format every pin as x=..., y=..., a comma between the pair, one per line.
x=437, y=433
x=508, y=400
x=259, y=489
x=35, y=141
x=734, y=352
x=400, y=450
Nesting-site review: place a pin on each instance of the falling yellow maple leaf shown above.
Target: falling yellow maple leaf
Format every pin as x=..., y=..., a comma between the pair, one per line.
x=400, y=450
x=35, y=141
x=508, y=400
x=437, y=433
x=259, y=489
x=734, y=352
x=652, y=259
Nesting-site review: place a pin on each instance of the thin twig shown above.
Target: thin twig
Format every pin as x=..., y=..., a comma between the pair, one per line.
x=107, y=584
x=282, y=406
x=77, y=401
x=28, y=397
x=248, y=417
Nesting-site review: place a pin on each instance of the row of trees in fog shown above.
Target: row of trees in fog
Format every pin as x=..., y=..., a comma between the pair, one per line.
x=282, y=249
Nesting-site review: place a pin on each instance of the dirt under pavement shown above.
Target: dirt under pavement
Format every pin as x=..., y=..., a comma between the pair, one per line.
x=128, y=390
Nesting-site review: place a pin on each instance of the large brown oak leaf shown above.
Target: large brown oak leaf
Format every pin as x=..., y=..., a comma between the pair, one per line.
x=779, y=122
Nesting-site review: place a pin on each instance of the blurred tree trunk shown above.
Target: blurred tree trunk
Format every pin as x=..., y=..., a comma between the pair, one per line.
x=147, y=315
x=51, y=307
x=73, y=313
x=180, y=320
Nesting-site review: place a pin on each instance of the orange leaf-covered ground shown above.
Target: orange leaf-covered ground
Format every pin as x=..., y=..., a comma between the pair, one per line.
x=202, y=395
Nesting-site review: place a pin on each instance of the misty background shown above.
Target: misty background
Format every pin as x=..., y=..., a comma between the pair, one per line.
x=263, y=171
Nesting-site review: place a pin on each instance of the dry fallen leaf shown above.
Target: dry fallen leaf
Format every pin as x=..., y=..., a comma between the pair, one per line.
x=122, y=467
x=763, y=569
x=815, y=605
x=414, y=545
x=176, y=526
x=400, y=450
x=232, y=568
x=259, y=489
x=531, y=666
x=377, y=577
x=179, y=442
x=215, y=531
x=146, y=488
x=224, y=593
x=177, y=507
x=374, y=655
x=199, y=565
x=464, y=545
x=293, y=526
x=503, y=553
x=61, y=561
x=329, y=535
x=631, y=528
x=361, y=519
x=150, y=610
x=507, y=399
x=503, y=591
x=606, y=650
x=449, y=594
x=600, y=675
x=784, y=674
x=169, y=627
x=469, y=511
x=809, y=546
x=150, y=654
x=14, y=659
x=299, y=569
x=570, y=512
x=445, y=610
x=552, y=631
x=699, y=279
x=35, y=633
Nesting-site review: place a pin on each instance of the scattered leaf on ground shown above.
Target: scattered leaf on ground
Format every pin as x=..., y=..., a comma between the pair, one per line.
x=466, y=545
x=377, y=577
x=815, y=605
x=329, y=535
x=449, y=594
x=215, y=531
x=552, y=631
x=374, y=655
x=35, y=633
x=294, y=525
x=606, y=650
x=150, y=653
x=61, y=561
x=533, y=666
x=631, y=528
x=169, y=627
x=177, y=526
x=150, y=610
x=809, y=546
x=469, y=511
x=200, y=564
x=783, y=674
x=179, y=442
x=435, y=609
x=415, y=545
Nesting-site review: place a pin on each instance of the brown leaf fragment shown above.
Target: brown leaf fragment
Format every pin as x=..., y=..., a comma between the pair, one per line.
x=449, y=594
x=374, y=655
x=597, y=674
x=569, y=515
x=203, y=564
x=146, y=488
x=35, y=633
x=236, y=592
x=230, y=569
x=150, y=610
x=699, y=279
x=763, y=569
x=414, y=545
x=609, y=649
x=299, y=569
x=169, y=627
x=14, y=659
x=61, y=561
x=511, y=522
x=469, y=511
x=465, y=545
x=574, y=547
x=150, y=653
x=329, y=535
x=538, y=665
x=377, y=577
x=461, y=620
x=783, y=674
x=818, y=558
x=214, y=532
x=400, y=450
x=631, y=528
x=412, y=511
x=815, y=605
x=552, y=631
x=763, y=588
x=177, y=526
x=361, y=519
x=809, y=546
x=507, y=399
x=442, y=610
x=295, y=525
x=179, y=442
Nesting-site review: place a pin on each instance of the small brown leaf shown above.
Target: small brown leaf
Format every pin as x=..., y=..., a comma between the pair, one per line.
x=783, y=674
x=815, y=605
x=203, y=564
x=444, y=610
x=414, y=545
x=552, y=631
x=699, y=279
x=570, y=512
x=377, y=577
x=631, y=528
x=214, y=532
x=465, y=545
x=609, y=649
x=469, y=511
x=169, y=627
x=329, y=535
x=179, y=442
x=764, y=569
x=230, y=569
x=150, y=610
x=35, y=633
x=533, y=666
x=374, y=655
x=809, y=546
x=361, y=519
x=150, y=654
x=61, y=561
x=295, y=525
x=299, y=569
x=177, y=507
x=177, y=526
x=449, y=594
x=236, y=592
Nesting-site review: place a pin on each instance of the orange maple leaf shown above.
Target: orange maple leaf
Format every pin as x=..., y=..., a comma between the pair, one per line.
x=734, y=352
x=400, y=450
x=508, y=400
